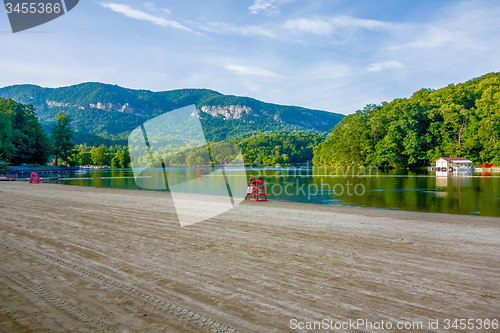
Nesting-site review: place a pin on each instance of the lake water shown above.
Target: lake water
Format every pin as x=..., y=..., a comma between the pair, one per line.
x=468, y=194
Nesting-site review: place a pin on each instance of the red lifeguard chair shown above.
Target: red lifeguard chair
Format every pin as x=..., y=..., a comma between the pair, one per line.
x=34, y=179
x=256, y=190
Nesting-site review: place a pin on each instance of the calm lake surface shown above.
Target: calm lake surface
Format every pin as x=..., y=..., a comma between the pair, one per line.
x=468, y=194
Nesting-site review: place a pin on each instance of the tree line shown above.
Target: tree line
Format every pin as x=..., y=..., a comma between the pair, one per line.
x=458, y=120
x=296, y=147
x=267, y=149
x=21, y=137
x=114, y=156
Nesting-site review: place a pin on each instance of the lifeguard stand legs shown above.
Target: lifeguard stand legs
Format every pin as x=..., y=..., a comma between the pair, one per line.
x=256, y=190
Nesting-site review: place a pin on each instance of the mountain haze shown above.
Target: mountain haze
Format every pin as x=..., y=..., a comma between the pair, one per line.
x=113, y=111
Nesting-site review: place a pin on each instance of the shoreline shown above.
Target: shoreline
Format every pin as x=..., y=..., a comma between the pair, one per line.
x=118, y=259
x=350, y=210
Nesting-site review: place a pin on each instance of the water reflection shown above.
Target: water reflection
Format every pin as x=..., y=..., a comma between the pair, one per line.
x=395, y=189
x=442, y=178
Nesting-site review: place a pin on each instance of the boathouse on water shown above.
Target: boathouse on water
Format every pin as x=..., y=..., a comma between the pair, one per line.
x=453, y=163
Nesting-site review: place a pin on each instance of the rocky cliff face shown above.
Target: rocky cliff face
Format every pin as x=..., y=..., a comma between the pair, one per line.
x=59, y=104
x=52, y=104
x=125, y=108
x=229, y=112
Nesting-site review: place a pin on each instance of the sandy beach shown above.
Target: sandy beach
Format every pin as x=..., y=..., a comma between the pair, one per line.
x=91, y=259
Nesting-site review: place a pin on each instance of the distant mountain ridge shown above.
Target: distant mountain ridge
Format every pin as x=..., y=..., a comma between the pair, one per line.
x=111, y=110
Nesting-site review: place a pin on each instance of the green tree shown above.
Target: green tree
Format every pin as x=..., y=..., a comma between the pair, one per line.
x=100, y=155
x=121, y=159
x=115, y=163
x=21, y=135
x=200, y=160
x=190, y=160
x=4, y=168
x=7, y=148
x=62, y=134
x=84, y=158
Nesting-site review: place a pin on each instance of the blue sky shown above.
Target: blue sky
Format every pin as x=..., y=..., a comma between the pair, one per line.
x=326, y=54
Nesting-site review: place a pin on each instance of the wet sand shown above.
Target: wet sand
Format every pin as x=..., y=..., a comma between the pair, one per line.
x=90, y=259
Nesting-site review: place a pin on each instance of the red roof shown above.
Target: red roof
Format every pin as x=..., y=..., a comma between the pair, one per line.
x=449, y=159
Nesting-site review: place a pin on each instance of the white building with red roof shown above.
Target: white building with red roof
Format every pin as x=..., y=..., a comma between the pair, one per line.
x=453, y=162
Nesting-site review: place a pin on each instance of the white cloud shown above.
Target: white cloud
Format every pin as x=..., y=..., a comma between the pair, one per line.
x=140, y=15
x=230, y=29
x=288, y=31
x=260, y=5
x=325, y=70
x=382, y=66
x=267, y=6
x=452, y=30
x=314, y=26
x=152, y=7
x=328, y=25
x=246, y=70
x=430, y=37
x=336, y=68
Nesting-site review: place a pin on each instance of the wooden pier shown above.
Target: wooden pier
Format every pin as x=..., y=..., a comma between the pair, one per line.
x=41, y=170
x=50, y=173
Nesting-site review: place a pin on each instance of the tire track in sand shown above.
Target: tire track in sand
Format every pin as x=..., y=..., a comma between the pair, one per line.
x=129, y=291
x=67, y=308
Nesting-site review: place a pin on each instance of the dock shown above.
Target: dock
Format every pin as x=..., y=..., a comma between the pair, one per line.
x=23, y=173
x=45, y=170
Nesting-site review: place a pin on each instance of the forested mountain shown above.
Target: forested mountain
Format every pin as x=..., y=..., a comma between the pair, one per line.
x=458, y=120
x=111, y=111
